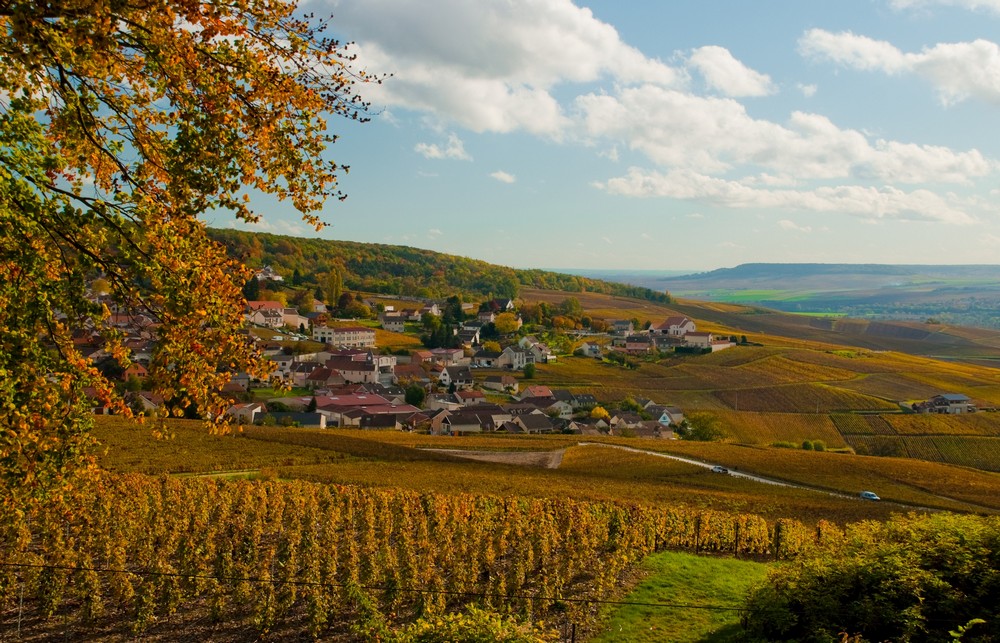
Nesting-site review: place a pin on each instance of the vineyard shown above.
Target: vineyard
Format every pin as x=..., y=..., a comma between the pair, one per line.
x=145, y=553
x=767, y=428
x=800, y=398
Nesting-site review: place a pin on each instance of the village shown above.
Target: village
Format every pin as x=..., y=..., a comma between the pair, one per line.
x=475, y=380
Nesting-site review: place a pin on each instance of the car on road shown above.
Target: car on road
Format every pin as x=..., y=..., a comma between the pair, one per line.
x=868, y=495
x=719, y=469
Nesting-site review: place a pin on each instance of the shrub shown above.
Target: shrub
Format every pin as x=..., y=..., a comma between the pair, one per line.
x=819, y=445
x=807, y=445
x=784, y=445
x=912, y=578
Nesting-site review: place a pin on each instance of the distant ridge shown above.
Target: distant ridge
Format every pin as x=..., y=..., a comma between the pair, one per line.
x=403, y=270
x=967, y=295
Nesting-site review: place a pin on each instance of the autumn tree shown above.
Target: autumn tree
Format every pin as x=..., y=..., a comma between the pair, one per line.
x=506, y=323
x=121, y=123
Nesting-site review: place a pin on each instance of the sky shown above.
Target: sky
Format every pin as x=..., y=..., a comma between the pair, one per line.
x=681, y=135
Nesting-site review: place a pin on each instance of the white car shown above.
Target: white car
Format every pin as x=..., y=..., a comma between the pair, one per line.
x=719, y=469
x=868, y=495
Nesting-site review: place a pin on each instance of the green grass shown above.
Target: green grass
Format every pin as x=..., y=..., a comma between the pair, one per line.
x=683, y=579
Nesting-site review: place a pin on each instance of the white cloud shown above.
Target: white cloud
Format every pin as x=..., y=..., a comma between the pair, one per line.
x=786, y=224
x=956, y=70
x=973, y=5
x=726, y=74
x=455, y=149
x=866, y=202
x=503, y=177
x=714, y=135
x=490, y=67
x=807, y=90
x=434, y=233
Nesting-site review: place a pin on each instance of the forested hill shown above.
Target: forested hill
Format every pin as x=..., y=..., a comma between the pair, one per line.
x=401, y=270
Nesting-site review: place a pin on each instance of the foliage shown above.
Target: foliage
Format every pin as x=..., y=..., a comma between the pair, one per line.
x=600, y=413
x=120, y=124
x=415, y=395
x=529, y=371
x=475, y=625
x=505, y=323
x=701, y=427
x=406, y=271
x=909, y=579
x=265, y=551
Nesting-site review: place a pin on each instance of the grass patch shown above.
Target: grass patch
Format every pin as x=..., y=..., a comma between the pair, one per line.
x=683, y=579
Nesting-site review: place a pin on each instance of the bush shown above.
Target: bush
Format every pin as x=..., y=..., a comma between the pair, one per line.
x=912, y=578
x=807, y=445
x=819, y=445
x=785, y=445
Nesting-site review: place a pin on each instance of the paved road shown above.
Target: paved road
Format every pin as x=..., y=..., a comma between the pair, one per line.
x=732, y=472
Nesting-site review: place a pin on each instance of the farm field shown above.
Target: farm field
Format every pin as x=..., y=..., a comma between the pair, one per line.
x=402, y=460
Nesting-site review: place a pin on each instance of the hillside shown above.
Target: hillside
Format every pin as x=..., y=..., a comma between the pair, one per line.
x=941, y=341
x=967, y=295
x=402, y=270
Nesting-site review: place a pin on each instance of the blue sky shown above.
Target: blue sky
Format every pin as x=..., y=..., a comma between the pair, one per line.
x=683, y=135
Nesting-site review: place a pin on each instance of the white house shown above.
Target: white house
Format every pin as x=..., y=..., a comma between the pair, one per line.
x=351, y=336
x=676, y=326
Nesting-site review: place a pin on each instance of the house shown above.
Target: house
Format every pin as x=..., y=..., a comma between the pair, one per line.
x=707, y=341
x=381, y=422
x=290, y=317
x=412, y=374
x=144, y=401
x=537, y=390
x=583, y=401
x=515, y=358
x=247, y=412
x=323, y=377
x=448, y=356
x=469, y=398
x=486, y=317
x=430, y=309
x=949, y=403
x=699, y=339
x=502, y=305
x=299, y=371
x=267, y=273
x=456, y=424
x=542, y=354
x=638, y=344
x=677, y=326
x=357, y=371
x=590, y=349
x=136, y=370
x=535, y=423
x=506, y=383
x=468, y=338
x=418, y=357
x=394, y=323
x=485, y=359
x=445, y=401
x=267, y=317
x=622, y=326
x=349, y=336
x=459, y=376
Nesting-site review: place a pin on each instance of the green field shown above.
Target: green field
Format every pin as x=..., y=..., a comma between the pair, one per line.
x=682, y=598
